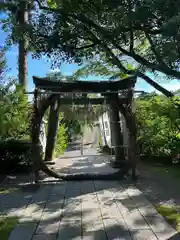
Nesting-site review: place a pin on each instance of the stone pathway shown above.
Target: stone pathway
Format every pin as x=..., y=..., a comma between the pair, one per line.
x=89, y=210
x=157, y=193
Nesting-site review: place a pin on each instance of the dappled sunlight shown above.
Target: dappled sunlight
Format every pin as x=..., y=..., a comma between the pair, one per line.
x=99, y=164
x=92, y=209
x=83, y=165
x=80, y=158
x=106, y=209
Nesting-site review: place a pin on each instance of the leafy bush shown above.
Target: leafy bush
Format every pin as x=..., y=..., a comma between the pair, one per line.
x=15, y=156
x=14, y=112
x=62, y=139
x=158, y=124
x=15, y=126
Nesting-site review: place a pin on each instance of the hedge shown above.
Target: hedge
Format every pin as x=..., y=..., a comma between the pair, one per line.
x=15, y=156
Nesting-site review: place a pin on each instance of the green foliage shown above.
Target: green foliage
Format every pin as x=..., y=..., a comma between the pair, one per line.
x=83, y=30
x=7, y=224
x=15, y=123
x=62, y=139
x=118, y=31
x=3, y=66
x=11, y=22
x=14, y=112
x=15, y=156
x=158, y=122
x=171, y=213
x=101, y=68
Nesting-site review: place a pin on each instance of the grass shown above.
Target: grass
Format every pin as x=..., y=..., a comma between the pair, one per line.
x=172, y=214
x=7, y=190
x=7, y=224
x=173, y=170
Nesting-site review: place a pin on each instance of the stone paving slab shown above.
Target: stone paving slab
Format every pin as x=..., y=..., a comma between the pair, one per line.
x=23, y=231
x=48, y=227
x=89, y=210
x=45, y=237
x=145, y=234
x=70, y=229
x=116, y=228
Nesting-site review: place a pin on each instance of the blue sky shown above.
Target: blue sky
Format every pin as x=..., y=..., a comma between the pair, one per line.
x=42, y=66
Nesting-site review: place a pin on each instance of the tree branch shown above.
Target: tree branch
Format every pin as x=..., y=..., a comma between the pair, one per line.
x=153, y=48
x=84, y=47
x=131, y=47
x=135, y=27
x=161, y=68
x=156, y=85
x=105, y=34
x=113, y=58
x=68, y=46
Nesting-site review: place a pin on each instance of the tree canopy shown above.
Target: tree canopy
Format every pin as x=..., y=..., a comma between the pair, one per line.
x=142, y=32
x=136, y=31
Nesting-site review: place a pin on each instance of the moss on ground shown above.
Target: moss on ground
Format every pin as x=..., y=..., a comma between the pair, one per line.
x=172, y=214
x=7, y=190
x=173, y=170
x=7, y=224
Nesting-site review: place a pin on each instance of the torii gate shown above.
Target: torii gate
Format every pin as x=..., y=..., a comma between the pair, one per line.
x=109, y=90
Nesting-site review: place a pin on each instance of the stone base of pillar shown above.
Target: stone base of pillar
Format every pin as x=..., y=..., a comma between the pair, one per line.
x=118, y=164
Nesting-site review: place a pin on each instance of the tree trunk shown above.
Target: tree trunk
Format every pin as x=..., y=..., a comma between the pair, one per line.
x=23, y=46
x=53, y=125
x=133, y=153
x=37, y=156
x=116, y=135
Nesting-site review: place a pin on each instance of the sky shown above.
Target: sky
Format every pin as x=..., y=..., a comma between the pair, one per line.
x=42, y=66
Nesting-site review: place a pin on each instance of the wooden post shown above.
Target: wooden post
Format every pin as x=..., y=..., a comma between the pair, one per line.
x=133, y=149
x=34, y=137
x=129, y=115
x=82, y=145
x=53, y=125
x=116, y=135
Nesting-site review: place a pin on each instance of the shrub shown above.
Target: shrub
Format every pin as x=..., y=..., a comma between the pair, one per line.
x=62, y=140
x=14, y=112
x=158, y=132
x=15, y=156
x=15, y=125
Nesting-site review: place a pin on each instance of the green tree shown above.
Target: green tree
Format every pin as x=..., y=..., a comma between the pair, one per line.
x=159, y=126
x=78, y=32
x=14, y=113
x=17, y=24
x=22, y=21
x=116, y=29
x=3, y=65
